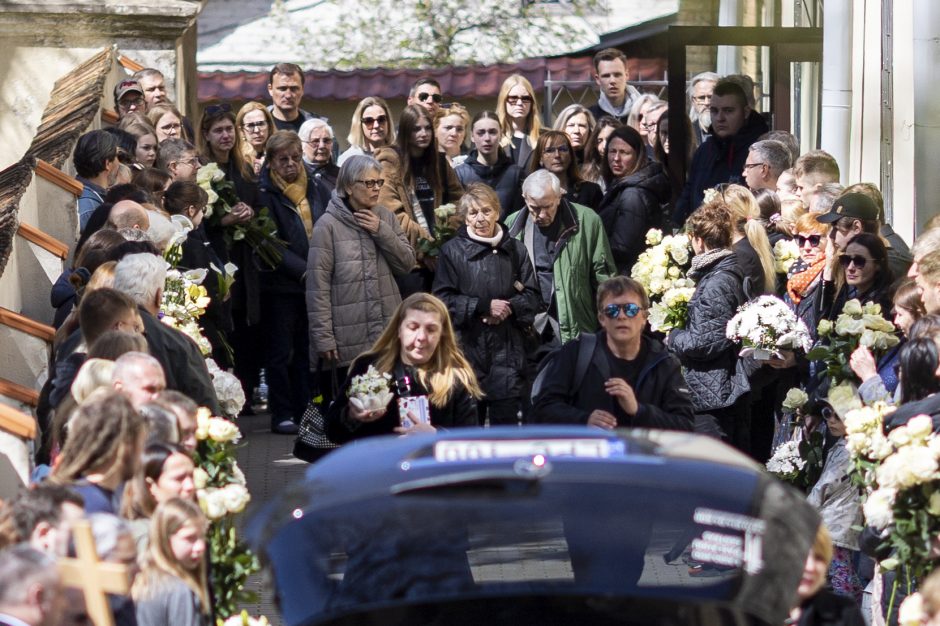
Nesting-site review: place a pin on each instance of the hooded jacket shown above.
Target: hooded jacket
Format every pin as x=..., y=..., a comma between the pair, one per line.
x=631, y=206
x=504, y=176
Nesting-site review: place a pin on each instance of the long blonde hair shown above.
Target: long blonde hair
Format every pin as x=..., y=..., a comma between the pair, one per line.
x=158, y=565
x=533, y=122
x=244, y=153
x=447, y=367
x=745, y=221
x=355, y=136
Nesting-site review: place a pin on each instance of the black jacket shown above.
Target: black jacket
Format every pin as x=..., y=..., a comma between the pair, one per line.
x=749, y=262
x=929, y=406
x=586, y=194
x=288, y=276
x=505, y=177
x=829, y=609
x=327, y=174
x=631, y=206
x=660, y=389
x=717, y=161
x=715, y=376
x=471, y=274
x=460, y=410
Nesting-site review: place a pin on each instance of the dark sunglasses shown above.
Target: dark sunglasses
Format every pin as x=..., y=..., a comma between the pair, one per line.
x=858, y=261
x=523, y=99
x=435, y=97
x=828, y=413
x=630, y=310
x=215, y=109
x=369, y=121
x=812, y=239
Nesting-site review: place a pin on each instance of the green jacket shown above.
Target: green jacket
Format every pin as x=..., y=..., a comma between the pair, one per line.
x=583, y=261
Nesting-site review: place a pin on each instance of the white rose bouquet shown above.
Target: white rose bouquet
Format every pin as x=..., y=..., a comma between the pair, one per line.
x=184, y=301
x=662, y=269
x=370, y=391
x=765, y=326
x=786, y=253
x=445, y=228
x=228, y=389
x=244, y=619
x=856, y=325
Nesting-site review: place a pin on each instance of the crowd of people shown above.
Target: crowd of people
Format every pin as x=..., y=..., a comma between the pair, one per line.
x=483, y=264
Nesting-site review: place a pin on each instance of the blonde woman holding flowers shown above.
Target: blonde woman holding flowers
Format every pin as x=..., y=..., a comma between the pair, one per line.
x=419, y=353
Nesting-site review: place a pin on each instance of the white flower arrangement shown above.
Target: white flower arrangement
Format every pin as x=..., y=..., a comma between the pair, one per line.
x=912, y=611
x=661, y=269
x=795, y=399
x=443, y=213
x=786, y=460
x=786, y=253
x=370, y=391
x=246, y=620
x=208, y=174
x=228, y=389
x=766, y=325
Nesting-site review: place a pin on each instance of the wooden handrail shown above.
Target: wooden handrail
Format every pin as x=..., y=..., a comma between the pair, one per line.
x=17, y=422
x=43, y=240
x=19, y=392
x=57, y=177
x=109, y=117
x=24, y=324
x=129, y=64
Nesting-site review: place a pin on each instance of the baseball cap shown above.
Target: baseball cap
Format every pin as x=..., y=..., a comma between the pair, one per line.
x=125, y=87
x=855, y=205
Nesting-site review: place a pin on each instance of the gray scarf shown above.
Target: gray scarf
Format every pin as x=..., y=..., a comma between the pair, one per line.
x=701, y=262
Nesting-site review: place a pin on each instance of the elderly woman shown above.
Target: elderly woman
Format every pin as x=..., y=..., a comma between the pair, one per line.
x=371, y=128
x=804, y=277
x=317, y=139
x=418, y=349
x=716, y=378
x=519, y=119
x=487, y=281
x=578, y=123
x=555, y=153
x=450, y=127
x=356, y=251
x=296, y=200
x=255, y=125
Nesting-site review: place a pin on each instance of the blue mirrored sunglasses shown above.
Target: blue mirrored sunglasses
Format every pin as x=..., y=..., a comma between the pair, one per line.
x=630, y=310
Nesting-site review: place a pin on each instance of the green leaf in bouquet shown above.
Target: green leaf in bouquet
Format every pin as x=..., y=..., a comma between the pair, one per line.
x=818, y=353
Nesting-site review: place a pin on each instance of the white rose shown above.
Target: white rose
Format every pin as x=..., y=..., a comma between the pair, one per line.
x=852, y=307
x=200, y=478
x=871, y=308
x=212, y=502
x=680, y=254
x=222, y=430
x=900, y=436
x=795, y=398
x=911, y=612
x=849, y=326
x=920, y=464
x=654, y=236
x=844, y=398
x=235, y=497
x=920, y=427
x=878, y=508
x=203, y=415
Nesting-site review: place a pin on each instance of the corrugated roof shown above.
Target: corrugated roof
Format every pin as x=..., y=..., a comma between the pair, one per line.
x=13, y=183
x=477, y=81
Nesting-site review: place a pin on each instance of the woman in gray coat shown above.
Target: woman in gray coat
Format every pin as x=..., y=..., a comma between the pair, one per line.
x=356, y=250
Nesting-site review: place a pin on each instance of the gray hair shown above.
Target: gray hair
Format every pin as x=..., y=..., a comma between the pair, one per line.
x=172, y=150
x=774, y=154
x=140, y=276
x=307, y=128
x=710, y=77
x=21, y=567
x=928, y=241
x=107, y=530
x=826, y=196
x=352, y=170
x=539, y=183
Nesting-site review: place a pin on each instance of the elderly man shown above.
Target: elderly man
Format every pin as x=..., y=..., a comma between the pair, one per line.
x=128, y=214
x=31, y=591
x=766, y=160
x=42, y=516
x=570, y=253
x=138, y=376
x=426, y=92
x=180, y=159
x=142, y=276
x=618, y=376
x=616, y=96
x=700, y=97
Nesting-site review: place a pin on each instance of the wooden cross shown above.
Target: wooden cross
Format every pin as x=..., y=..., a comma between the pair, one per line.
x=94, y=577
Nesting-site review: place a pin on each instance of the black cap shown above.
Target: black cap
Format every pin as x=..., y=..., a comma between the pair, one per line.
x=855, y=205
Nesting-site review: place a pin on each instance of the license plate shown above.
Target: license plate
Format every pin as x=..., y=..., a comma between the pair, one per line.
x=481, y=449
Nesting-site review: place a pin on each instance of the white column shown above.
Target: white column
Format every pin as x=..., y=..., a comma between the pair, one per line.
x=729, y=57
x=836, y=122
x=927, y=107
x=901, y=213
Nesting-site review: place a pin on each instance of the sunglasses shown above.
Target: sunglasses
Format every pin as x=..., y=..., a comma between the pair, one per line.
x=828, y=413
x=522, y=99
x=858, y=261
x=435, y=97
x=812, y=239
x=370, y=121
x=215, y=109
x=631, y=310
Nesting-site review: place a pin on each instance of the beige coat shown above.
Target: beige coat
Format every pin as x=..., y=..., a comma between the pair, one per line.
x=351, y=289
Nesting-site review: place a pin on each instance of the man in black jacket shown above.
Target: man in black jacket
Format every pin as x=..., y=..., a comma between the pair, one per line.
x=616, y=377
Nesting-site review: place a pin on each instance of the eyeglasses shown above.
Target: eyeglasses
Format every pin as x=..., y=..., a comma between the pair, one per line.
x=812, y=239
x=216, y=109
x=828, y=413
x=748, y=166
x=170, y=127
x=435, y=97
x=631, y=310
x=324, y=140
x=858, y=261
x=558, y=149
x=132, y=102
x=373, y=183
x=253, y=127
x=191, y=161
x=516, y=99
x=701, y=99
x=371, y=121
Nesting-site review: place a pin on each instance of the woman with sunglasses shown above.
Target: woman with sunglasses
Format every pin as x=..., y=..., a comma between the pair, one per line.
x=485, y=278
x=371, y=128
x=356, y=251
x=555, y=153
x=254, y=124
x=487, y=163
x=637, y=189
x=519, y=119
x=862, y=274
x=420, y=181
x=804, y=279
x=578, y=123
x=715, y=375
x=595, y=150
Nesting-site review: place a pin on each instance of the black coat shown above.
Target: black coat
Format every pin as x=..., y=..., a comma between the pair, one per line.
x=288, y=276
x=717, y=161
x=829, y=609
x=460, y=410
x=713, y=371
x=199, y=253
x=660, y=389
x=505, y=177
x=586, y=194
x=750, y=264
x=471, y=274
x=327, y=174
x=632, y=206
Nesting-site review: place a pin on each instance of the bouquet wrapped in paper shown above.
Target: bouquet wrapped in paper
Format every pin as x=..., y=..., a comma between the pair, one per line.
x=444, y=230
x=786, y=253
x=767, y=325
x=662, y=269
x=370, y=391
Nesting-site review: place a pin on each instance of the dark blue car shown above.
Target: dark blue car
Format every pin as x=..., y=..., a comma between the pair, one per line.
x=535, y=526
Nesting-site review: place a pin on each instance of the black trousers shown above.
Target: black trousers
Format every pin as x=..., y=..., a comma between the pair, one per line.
x=287, y=359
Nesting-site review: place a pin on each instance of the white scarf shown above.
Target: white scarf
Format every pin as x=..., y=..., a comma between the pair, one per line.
x=491, y=241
